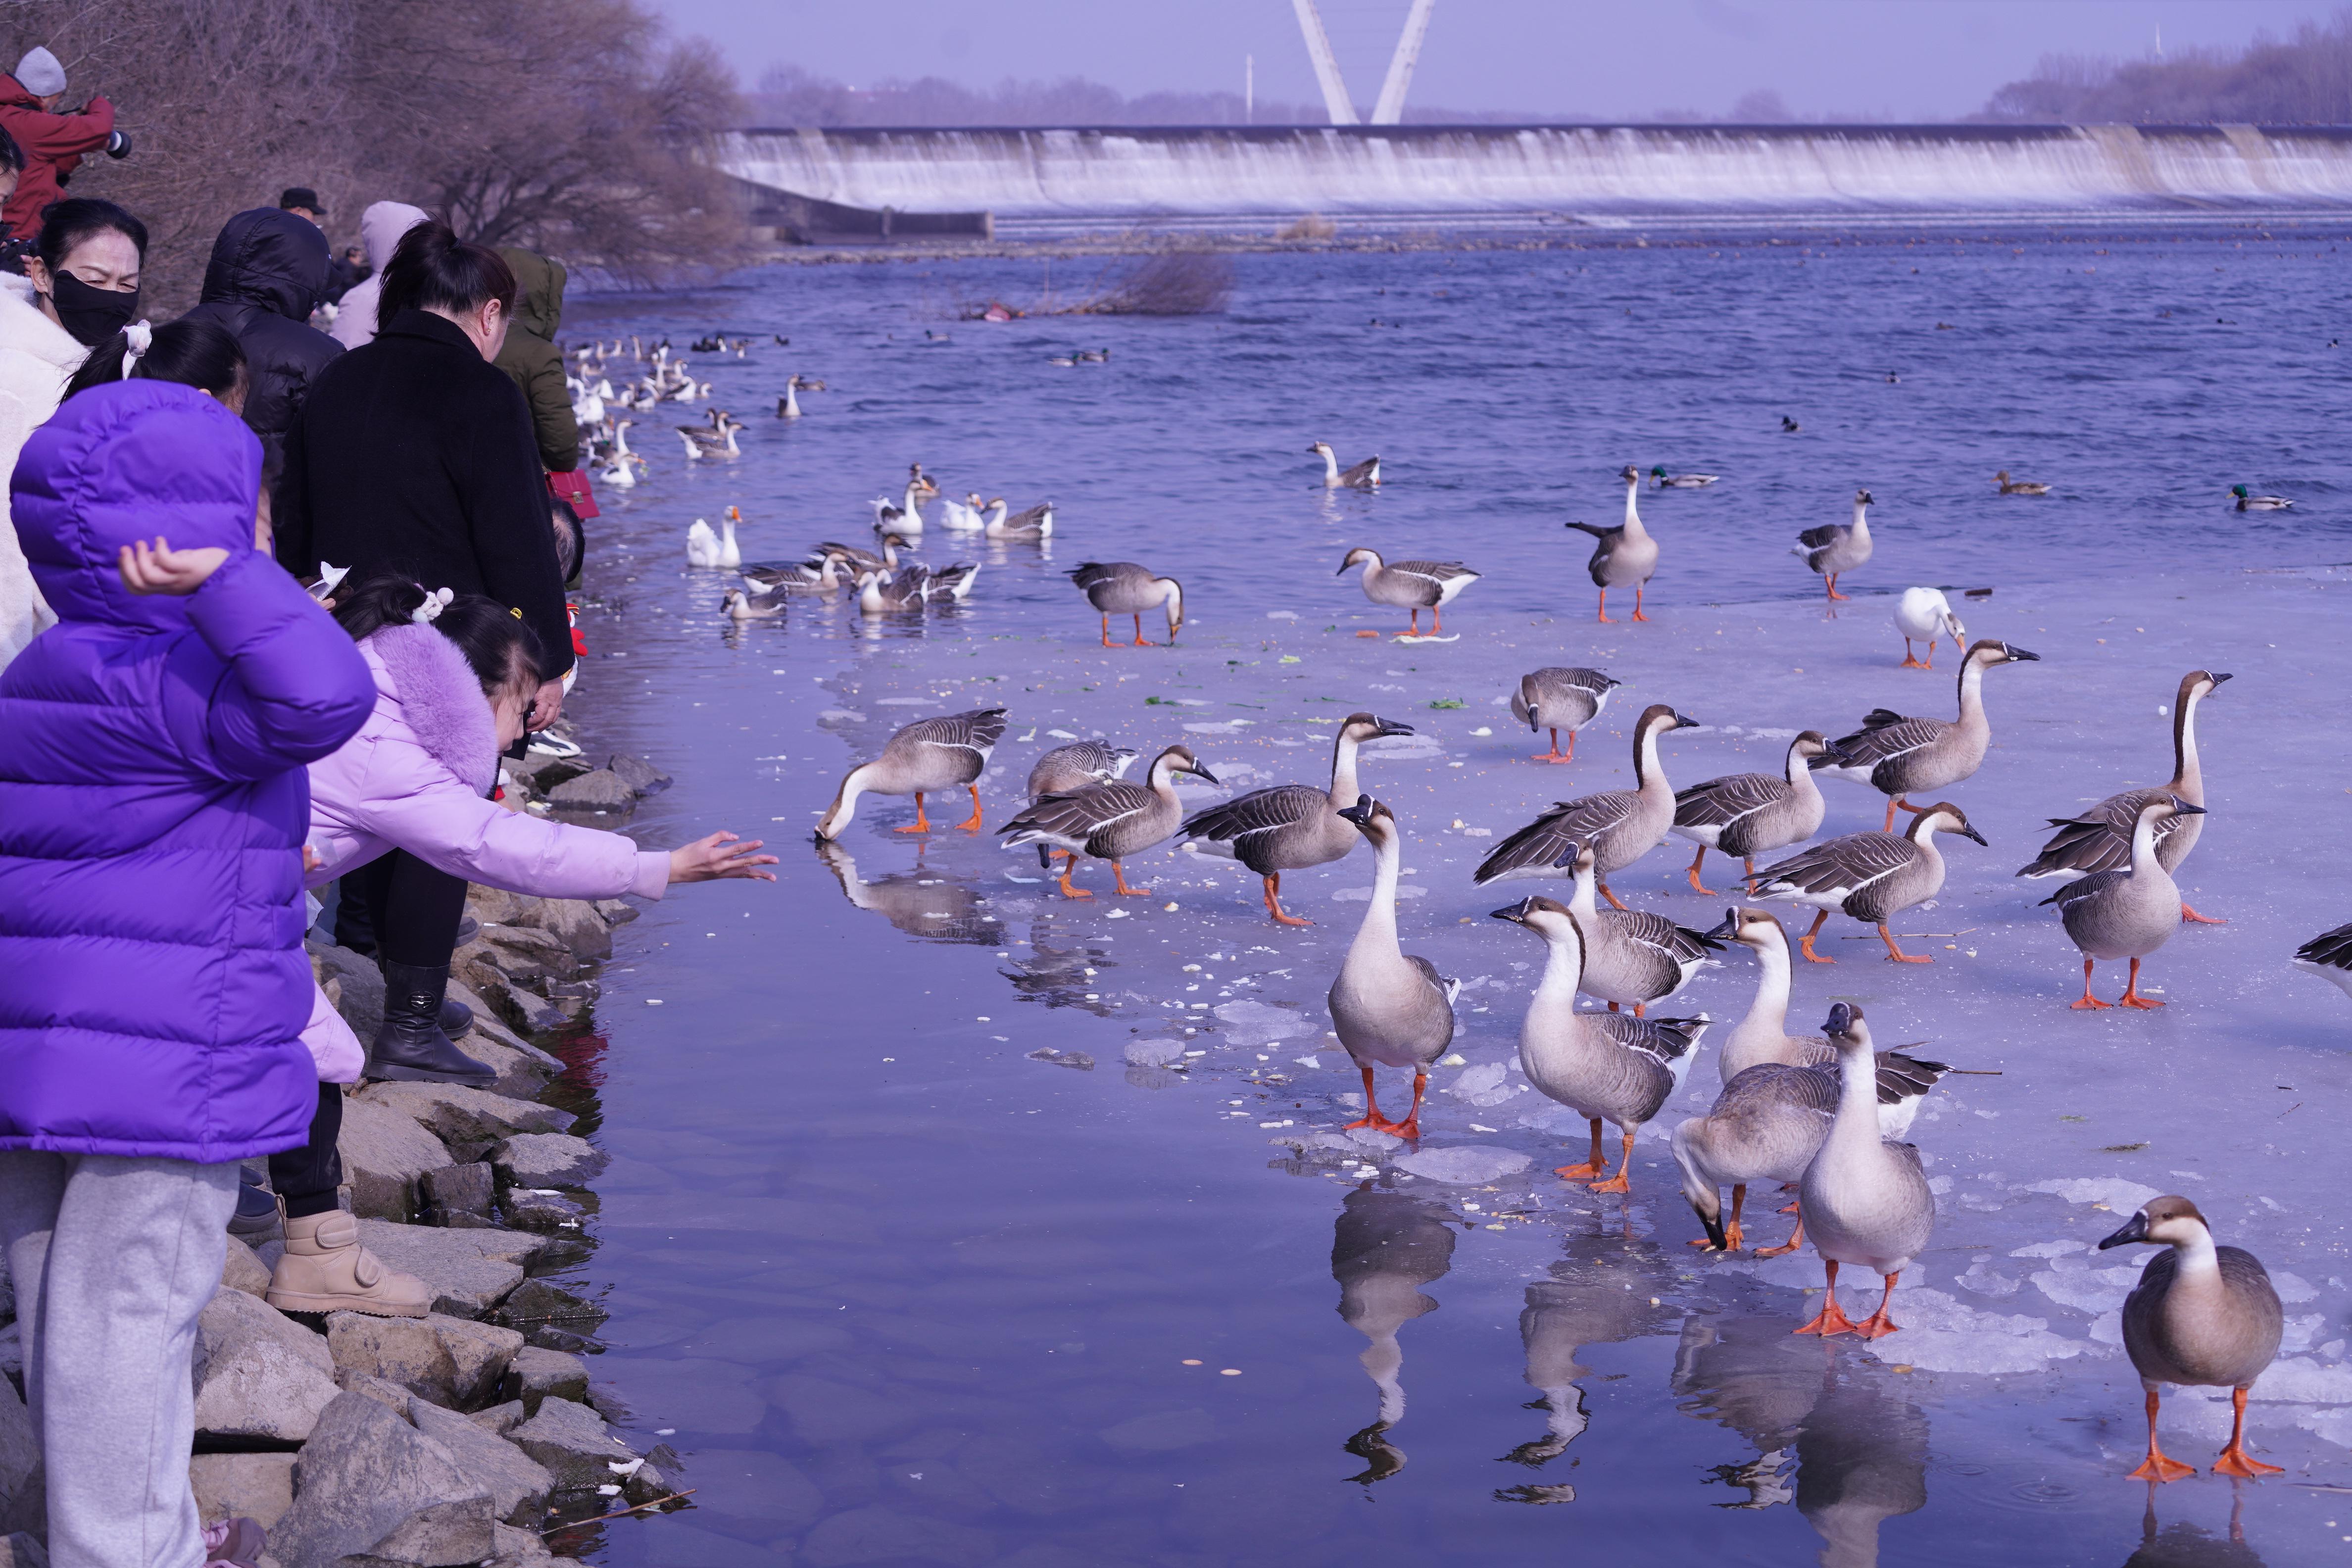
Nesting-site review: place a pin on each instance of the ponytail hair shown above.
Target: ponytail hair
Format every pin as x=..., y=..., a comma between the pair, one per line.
x=198, y=353
x=503, y=651
x=433, y=269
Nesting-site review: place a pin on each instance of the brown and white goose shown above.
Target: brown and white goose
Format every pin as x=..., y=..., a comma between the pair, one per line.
x=1899, y=756
x=1123, y=588
x=1873, y=877
x=1074, y=766
x=2202, y=1316
x=1363, y=476
x=2129, y=913
x=2100, y=839
x=1749, y=815
x=2329, y=956
x=1292, y=827
x=1621, y=824
x=1836, y=548
x=1626, y=554
x=1555, y=697
x=1863, y=1197
x=1111, y=820
x=928, y=755
x=1632, y=957
x=1414, y=585
x=1389, y=1007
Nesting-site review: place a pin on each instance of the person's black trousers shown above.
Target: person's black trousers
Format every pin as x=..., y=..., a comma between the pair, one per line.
x=405, y=911
x=306, y=1178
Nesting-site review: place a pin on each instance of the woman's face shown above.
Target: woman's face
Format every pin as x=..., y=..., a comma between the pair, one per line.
x=106, y=260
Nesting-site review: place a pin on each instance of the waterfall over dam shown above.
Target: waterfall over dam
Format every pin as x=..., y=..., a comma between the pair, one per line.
x=1599, y=172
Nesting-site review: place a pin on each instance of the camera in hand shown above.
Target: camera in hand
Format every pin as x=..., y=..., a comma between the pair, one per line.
x=117, y=145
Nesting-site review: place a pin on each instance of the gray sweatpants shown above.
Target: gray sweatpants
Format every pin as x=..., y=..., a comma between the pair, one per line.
x=112, y=1258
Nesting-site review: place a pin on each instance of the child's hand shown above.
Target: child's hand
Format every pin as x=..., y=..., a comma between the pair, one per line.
x=163, y=570
x=720, y=855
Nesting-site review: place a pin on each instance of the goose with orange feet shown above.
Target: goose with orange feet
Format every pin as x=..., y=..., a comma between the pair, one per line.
x=1414, y=585
x=1123, y=588
x=1111, y=820
x=1836, y=548
x=2127, y=913
x=1873, y=877
x=945, y=752
x=1624, y=556
x=1899, y=757
x=1557, y=698
x=1605, y=1066
x=1074, y=766
x=1292, y=827
x=1389, y=1007
x=1620, y=825
x=1632, y=957
x=1863, y=1196
x=2201, y=1316
x=1749, y=815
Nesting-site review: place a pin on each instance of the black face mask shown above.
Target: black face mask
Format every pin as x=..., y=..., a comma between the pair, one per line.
x=91, y=315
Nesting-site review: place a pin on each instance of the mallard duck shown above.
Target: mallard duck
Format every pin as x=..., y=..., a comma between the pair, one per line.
x=2248, y=502
x=1836, y=548
x=1923, y=613
x=2126, y=913
x=1123, y=588
x=1363, y=476
x=1666, y=481
x=1865, y=1198
x=1416, y=586
x=1621, y=824
x=926, y=755
x=1111, y=820
x=1749, y=815
x=1626, y=553
x=1555, y=697
x=2009, y=487
x=1389, y=1007
x=1292, y=827
x=1897, y=755
x=1872, y=877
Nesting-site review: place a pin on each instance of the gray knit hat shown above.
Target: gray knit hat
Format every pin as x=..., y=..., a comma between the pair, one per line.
x=39, y=74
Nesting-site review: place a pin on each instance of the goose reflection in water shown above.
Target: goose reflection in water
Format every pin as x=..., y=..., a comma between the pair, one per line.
x=1385, y=1248
x=917, y=904
x=2183, y=1545
x=1600, y=1299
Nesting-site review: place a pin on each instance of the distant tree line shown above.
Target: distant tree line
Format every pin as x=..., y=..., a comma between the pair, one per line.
x=2303, y=79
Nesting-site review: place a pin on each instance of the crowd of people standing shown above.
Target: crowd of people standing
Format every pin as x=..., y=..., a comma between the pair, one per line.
x=273, y=602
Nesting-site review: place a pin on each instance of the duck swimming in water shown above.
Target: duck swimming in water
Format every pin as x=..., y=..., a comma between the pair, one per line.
x=2248, y=502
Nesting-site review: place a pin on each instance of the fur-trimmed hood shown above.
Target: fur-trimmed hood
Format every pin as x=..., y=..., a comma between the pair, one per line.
x=441, y=702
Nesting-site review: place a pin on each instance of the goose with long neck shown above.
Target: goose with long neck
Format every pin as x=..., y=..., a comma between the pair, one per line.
x=1292, y=827
x=2202, y=1316
x=907, y=517
x=2100, y=839
x=1836, y=548
x=1620, y=824
x=1111, y=820
x=1124, y=588
x=1389, y=1007
x=928, y=755
x=1873, y=877
x=1605, y=1066
x=1416, y=586
x=1749, y=815
x=1865, y=1199
x=1632, y=957
x=1899, y=756
x=1624, y=555
x=1363, y=476
x=2126, y=914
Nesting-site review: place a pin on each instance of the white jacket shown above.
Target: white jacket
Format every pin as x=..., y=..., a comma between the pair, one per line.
x=38, y=357
x=380, y=228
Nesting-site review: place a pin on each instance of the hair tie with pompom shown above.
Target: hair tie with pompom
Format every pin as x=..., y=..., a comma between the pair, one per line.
x=138, y=337
x=435, y=601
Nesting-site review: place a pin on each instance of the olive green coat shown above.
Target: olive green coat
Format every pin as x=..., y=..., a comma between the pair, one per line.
x=531, y=357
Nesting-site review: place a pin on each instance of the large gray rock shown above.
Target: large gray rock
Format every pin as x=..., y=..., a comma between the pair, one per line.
x=259, y=1487
x=495, y=906
x=241, y=1271
x=548, y=1160
x=449, y=1360
x=470, y=1271
x=639, y=774
x=368, y=1485
x=258, y=1373
x=513, y=1548
x=536, y=1376
x=519, y=1485
x=391, y=1395
x=572, y=921
x=616, y=911
x=527, y=1208
x=23, y=1499
x=460, y=1115
x=462, y=1194
x=500, y=1419
x=571, y=1440
x=355, y=984
x=601, y=789
x=385, y=1147
x=522, y=1068
x=536, y=1303
x=20, y=1550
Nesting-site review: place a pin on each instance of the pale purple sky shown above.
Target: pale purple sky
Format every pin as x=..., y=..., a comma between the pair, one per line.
x=1909, y=59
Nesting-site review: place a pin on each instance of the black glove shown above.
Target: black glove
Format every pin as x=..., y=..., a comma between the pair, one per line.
x=117, y=145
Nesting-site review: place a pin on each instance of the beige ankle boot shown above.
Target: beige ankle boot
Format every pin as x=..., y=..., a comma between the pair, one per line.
x=325, y=1269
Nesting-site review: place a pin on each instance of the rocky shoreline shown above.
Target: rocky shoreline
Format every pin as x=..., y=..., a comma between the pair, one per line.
x=469, y=1436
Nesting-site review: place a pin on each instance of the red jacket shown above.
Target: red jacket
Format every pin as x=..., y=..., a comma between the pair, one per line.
x=53, y=144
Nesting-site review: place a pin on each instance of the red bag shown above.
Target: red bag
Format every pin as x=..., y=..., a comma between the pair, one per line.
x=572, y=487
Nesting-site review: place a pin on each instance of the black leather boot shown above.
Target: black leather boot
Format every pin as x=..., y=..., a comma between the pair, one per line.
x=410, y=1046
x=455, y=1017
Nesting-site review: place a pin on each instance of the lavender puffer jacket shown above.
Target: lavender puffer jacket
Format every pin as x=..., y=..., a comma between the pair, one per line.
x=152, y=797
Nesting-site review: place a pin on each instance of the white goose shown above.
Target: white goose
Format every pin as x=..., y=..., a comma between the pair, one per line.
x=1923, y=614
x=705, y=549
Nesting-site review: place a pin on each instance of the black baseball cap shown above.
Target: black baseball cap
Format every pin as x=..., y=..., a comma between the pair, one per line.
x=301, y=196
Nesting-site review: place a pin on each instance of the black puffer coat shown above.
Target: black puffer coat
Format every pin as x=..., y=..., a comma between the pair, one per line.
x=267, y=272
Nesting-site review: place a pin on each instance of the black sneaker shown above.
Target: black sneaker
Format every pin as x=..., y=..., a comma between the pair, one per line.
x=255, y=1219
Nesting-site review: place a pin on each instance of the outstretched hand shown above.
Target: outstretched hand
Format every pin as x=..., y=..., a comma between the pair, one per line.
x=720, y=855
x=163, y=570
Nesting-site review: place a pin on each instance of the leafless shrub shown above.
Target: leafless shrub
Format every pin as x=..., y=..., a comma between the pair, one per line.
x=1173, y=283
x=1314, y=225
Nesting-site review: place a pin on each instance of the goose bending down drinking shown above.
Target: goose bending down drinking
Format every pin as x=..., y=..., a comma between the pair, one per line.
x=1074, y=766
x=1123, y=588
x=1416, y=586
x=1749, y=815
x=1556, y=698
x=1292, y=827
x=1621, y=824
x=1625, y=554
x=1632, y=957
x=1837, y=547
x=1111, y=820
x=1363, y=476
x=1863, y=1197
x=1925, y=615
x=1873, y=877
x=929, y=754
x=2126, y=913
x=1605, y=1066
x=1389, y=1007
x=2201, y=1316
x=2100, y=839
x=1898, y=756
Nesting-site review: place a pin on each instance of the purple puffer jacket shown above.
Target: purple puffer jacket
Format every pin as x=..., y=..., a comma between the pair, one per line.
x=152, y=797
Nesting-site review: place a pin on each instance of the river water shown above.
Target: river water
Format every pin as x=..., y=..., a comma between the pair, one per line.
x=899, y=1290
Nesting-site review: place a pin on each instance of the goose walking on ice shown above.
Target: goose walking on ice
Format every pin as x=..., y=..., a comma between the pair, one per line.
x=1872, y=877
x=1605, y=1066
x=2201, y=1316
x=1837, y=547
x=1389, y=1007
x=1292, y=827
x=1624, y=555
x=1123, y=588
x=1416, y=586
x=1749, y=815
x=1555, y=699
x=1111, y=820
x=2100, y=839
x=1632, y=957
x=2009, y=487
x=1863, y=1197
x=1899, y=756
x=1074, y=766
x=929, y=754
x=2126, y=913
x=1925, y=615
x=1620, y=824
x=1363, y=476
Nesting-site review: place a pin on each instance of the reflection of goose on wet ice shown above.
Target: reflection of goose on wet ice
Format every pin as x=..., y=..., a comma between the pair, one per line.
x=1862, y=1459
x=918, y=905
x=1604, y=1300
x=1385, y=1248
